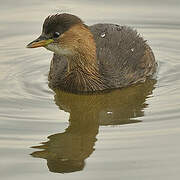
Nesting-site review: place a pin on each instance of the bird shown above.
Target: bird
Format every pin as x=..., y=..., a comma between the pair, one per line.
x=95, y=58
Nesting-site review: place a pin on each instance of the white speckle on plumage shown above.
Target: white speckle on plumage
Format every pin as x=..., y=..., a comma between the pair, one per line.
x=103, y=35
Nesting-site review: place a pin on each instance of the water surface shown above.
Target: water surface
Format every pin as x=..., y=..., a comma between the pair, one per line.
x=131, y=133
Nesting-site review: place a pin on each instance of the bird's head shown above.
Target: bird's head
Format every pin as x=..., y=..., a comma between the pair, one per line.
x=64, y=34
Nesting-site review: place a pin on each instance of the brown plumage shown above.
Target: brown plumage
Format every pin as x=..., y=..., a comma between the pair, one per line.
x=94, y=58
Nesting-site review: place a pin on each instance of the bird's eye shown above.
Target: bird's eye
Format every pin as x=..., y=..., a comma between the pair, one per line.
x=56, y=34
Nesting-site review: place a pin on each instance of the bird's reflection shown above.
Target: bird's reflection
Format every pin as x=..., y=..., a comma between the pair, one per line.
x=66, y=152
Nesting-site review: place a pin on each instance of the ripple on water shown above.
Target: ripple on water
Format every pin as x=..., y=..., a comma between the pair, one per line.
x=24, y=89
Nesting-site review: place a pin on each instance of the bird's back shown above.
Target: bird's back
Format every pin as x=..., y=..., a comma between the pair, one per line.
x=124, y=57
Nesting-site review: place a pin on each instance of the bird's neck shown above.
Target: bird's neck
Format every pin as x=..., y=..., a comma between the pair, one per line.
x=83, y=73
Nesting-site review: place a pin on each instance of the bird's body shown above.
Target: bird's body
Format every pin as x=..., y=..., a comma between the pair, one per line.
x=96, y=58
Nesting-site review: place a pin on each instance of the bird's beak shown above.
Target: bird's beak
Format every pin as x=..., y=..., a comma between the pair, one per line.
x=39, y=42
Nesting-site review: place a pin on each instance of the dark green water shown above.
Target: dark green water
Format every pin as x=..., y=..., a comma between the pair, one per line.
x=126, y=134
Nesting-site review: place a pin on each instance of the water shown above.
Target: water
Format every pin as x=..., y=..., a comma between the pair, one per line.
x=127, y=134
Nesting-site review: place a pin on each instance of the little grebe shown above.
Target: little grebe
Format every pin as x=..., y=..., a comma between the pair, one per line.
x=94, y=58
